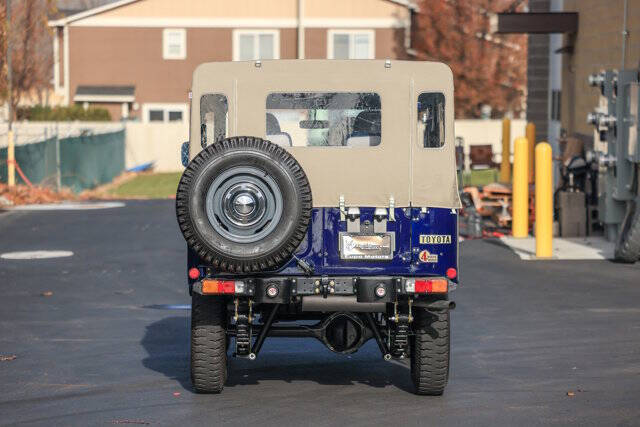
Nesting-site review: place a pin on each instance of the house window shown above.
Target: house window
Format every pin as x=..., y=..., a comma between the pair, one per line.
x=174, y=43
x=351, y=44
x=249, y=45
x=162, y=113
x=156, y=115
x=175, y=116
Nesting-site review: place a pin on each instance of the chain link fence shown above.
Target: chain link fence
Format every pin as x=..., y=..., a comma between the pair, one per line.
x=78, y=157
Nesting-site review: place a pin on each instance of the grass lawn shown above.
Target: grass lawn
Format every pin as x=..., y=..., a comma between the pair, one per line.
x=149, y=186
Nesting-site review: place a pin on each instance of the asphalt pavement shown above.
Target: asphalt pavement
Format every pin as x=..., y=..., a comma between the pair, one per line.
x=102, y=337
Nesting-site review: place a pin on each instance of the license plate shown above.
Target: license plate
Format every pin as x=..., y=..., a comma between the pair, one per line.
x=366, y=247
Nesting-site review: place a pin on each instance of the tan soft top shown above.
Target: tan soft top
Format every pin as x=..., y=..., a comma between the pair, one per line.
x=399, y=168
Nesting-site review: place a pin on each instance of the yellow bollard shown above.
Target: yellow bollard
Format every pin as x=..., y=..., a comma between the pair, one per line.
x=544, y=201
x=505, y=165
x=11, y=158
x=520, y=221
x=531, y=136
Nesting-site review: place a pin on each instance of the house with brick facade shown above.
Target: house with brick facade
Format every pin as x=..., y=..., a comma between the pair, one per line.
x=136, y=57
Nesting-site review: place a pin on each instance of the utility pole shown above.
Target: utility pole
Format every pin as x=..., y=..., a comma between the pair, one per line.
x=11, y=158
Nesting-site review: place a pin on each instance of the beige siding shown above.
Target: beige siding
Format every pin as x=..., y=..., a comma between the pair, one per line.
x=206, y=9
x=263, y=9
x=354, y=8
x=598, y=46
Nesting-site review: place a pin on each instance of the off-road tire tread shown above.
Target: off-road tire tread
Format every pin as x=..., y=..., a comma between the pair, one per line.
x=430, y=352
x=219, y=260
x=628, y=245
x=208, y=344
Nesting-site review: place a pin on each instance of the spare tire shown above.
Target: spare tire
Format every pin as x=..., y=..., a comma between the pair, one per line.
x=244, y=205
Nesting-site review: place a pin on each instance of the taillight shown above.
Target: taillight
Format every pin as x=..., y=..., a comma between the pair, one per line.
x=217, y=287
x=194, y=273
x=427, y=286
x=452, y=273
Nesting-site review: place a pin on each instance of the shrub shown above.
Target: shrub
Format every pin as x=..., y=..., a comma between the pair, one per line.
x=41, y=113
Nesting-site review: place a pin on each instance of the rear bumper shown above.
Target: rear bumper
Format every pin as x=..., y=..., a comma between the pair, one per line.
x=367, y=290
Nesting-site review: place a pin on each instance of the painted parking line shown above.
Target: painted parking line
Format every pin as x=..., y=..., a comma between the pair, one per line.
x=169, y=306
x=564, y=248
x=68, y=206
x=36, y=254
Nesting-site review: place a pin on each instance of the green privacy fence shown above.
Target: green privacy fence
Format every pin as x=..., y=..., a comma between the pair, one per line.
x=86, y=161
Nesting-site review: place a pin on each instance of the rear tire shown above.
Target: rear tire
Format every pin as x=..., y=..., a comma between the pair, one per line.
x=430, y=352
x=208, y=344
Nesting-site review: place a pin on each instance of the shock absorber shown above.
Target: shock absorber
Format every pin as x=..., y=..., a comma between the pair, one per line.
x=243, y=327
x=399, y=334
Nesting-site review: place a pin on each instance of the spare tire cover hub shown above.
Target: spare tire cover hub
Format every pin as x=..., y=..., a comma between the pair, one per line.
x=244, y=204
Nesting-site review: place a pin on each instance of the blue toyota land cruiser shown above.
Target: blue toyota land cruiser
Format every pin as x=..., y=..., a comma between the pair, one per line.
x=321, y=191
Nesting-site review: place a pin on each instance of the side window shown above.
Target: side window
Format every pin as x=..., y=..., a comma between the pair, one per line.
x=431, y=119
x=213, y=118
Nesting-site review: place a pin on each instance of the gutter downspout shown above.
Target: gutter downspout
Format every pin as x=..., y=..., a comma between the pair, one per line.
x=65, y=52
x=301, y=29
x=625, y=32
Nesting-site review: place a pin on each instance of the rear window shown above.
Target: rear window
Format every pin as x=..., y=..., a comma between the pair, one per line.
x=329, y=119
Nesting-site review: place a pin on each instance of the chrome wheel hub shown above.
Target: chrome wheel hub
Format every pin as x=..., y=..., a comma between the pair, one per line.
x=244, y=204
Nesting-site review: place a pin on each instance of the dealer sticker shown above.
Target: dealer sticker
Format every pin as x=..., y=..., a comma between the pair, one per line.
x=435, y=239
x=425, y=256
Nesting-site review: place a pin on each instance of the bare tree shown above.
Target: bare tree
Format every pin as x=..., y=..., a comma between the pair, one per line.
x=31, y=56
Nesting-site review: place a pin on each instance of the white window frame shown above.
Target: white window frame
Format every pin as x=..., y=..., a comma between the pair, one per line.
x=183, y=108
x=165, y=43
x=351, y=33
x=238, y=33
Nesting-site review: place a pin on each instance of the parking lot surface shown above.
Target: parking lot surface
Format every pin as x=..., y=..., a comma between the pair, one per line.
x=102, y=337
